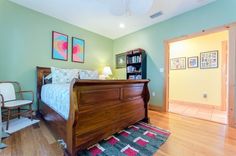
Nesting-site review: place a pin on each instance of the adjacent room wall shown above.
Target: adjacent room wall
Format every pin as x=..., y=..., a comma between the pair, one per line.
x=190, y=84
x=152, y=39
x=25, y=42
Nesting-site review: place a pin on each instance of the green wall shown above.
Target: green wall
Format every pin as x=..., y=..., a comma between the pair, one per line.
x=25, y=42
x=152, y=38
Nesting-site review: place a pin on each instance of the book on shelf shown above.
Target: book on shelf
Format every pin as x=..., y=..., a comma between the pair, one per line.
x=134, y=59
x=133, y=69
x=135, y=77
x=132, y=77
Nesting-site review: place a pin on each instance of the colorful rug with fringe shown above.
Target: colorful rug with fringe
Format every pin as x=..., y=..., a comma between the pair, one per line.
x=137, y=140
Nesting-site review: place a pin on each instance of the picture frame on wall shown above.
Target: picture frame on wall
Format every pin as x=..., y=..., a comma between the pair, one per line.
x=121, y=60
x=209, y=59
x=78, y=50
x=178, y=63
x=59, y=46
x=193, y=62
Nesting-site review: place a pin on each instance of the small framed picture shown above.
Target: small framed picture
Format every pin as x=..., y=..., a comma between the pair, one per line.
x=78, y=50
x=178, y=63
x=209, y=59
x=121, y=60
x=59, y=46
x=193, y=62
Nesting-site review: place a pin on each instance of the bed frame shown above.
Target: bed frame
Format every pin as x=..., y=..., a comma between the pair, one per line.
x=98, y=109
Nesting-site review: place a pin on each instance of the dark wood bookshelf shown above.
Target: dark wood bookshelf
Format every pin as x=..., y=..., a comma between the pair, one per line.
x=136, y=64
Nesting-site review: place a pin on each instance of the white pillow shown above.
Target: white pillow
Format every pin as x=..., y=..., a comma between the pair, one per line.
x=63, y=75
x=88, y=74
x=48, y=76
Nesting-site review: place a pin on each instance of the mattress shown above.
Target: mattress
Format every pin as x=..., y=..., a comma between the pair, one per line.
x=57, y=97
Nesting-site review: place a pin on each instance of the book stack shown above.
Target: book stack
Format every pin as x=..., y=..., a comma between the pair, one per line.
x=133, y=69
x=134, y=59
x=130, y=69
x=135, y=77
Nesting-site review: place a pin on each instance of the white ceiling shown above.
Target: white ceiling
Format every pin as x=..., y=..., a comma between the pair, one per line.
x=95, y=16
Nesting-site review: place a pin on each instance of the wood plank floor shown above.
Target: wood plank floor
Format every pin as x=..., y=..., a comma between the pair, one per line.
x=189, y=137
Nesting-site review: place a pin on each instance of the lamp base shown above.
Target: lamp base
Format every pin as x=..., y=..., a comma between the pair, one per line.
x=102, y=77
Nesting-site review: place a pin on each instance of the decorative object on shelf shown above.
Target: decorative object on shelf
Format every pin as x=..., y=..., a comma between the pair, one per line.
x=209, y=59
x=130, y=7
x=121, y=60
x=59, y=46
x=78, y=50
x=107, y=72
x=136, y=63
x=178, y=63
x=193, y=62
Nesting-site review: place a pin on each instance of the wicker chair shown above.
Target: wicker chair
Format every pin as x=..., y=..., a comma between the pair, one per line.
x=9, y=101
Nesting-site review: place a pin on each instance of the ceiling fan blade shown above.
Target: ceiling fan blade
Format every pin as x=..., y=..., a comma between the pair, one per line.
x=118, y=7
x=140, y=7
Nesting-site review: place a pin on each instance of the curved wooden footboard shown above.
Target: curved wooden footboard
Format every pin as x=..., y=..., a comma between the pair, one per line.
x=100, y=108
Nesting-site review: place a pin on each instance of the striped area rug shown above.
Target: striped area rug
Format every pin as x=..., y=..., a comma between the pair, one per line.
x=137, y=140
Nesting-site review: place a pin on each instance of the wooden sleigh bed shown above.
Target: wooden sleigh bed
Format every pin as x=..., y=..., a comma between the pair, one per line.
x=98, y=109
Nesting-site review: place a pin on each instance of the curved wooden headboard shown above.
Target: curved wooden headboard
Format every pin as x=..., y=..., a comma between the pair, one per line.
x=41, y=73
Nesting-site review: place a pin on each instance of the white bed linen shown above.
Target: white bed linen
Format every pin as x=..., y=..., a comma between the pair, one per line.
x=57, y=97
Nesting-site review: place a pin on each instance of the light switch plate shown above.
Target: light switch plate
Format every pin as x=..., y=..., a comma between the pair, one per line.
x=153, y=94
x=161, y=70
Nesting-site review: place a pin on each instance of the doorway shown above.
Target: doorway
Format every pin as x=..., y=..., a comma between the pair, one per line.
x=218, y=109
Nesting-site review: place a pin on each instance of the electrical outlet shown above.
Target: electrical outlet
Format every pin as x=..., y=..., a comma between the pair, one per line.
x=153, y=94
x=205, y=95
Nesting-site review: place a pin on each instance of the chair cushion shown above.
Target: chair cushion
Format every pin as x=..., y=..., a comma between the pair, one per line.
x=8, y=91
x=17, y=103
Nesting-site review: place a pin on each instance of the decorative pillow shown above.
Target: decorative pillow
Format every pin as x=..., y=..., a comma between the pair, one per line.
x=48, y=79
x=88, y=74
x=63, y=75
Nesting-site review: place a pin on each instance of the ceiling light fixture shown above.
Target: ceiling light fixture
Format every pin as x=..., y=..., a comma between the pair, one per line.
x=130, y=7
x=122, y=25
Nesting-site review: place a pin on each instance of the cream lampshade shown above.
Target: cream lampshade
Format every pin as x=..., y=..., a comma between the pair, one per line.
x=107, y=71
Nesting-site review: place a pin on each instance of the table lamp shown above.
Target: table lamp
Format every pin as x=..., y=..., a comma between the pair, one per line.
x=107, y=72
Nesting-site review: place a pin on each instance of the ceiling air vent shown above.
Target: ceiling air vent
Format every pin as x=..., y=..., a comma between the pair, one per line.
x=156, y=15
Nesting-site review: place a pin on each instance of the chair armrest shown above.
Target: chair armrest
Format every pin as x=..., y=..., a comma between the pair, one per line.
x=32, y=93
x=2, y=100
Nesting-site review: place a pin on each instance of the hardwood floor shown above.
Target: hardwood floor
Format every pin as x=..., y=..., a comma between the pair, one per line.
x=189, y=137
x=194, y=137
x=32, y=141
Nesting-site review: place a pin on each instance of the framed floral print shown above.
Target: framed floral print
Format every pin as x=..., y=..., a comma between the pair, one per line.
x=59, y=46
x=78, y=50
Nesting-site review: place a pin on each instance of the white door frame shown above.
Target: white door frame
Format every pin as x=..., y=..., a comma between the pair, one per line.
x=231, y=68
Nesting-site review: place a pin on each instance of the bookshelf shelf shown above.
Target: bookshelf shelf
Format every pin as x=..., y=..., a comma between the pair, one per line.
x=136, y=65
x=135, y=73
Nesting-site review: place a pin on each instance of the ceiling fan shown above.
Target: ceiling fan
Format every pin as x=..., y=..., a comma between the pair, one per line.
x=130, y=7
